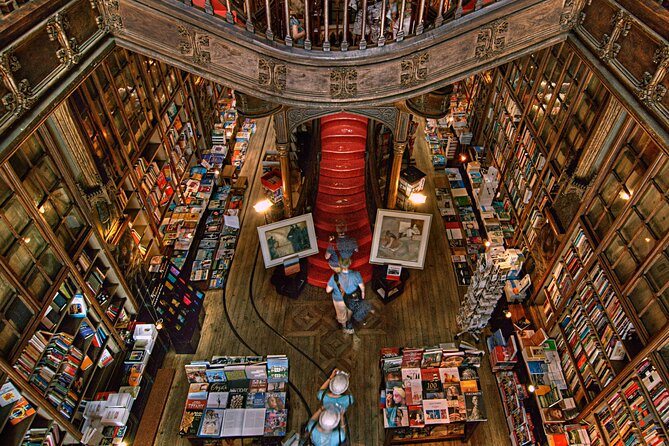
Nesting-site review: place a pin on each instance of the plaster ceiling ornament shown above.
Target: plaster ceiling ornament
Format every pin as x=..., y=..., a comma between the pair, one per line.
x=272, y=75
x=650, y=90
x=414, y=69
x=343, y=83
x=610, y=47
x=20, y=96
x=195, y=45
x=57, y=27
x=491, y=39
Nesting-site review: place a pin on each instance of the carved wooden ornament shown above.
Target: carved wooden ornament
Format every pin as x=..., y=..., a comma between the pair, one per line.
x=272, y=74
x=343, y=83
x=192, y=44
x=414, y=69
x=491, y=39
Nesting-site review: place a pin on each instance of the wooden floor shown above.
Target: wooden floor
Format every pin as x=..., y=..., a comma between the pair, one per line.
x=423, y=315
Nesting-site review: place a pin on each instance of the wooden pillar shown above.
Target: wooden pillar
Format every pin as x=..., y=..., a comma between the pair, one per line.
x=283, y=150
x=398, y=153
x=283, y=147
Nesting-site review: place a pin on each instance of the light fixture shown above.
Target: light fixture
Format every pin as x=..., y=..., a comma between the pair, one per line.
x=647, y=239
x=216, y=172
x=262, y=206
x=42, y=209
x=624, y=195
x=417, y=198
x=26, y=239
x=159, y=324
x=507, y=314
x=531, y=388
x=487, y=243
x=463, y=157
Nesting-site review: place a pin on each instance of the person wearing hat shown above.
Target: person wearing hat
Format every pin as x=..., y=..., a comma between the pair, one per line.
x=333, y=393
x=326, y=428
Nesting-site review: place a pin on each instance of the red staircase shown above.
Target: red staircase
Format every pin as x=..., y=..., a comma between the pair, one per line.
x=341, y=193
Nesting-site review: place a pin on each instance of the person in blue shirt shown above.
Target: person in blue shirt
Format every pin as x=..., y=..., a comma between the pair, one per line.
x=347, y=281
x=297, y=32
x=329, y=430
x=340, y=247
x=333, y=393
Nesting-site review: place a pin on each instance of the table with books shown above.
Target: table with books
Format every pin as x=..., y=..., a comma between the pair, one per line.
x=431, y=394
x=236, y=396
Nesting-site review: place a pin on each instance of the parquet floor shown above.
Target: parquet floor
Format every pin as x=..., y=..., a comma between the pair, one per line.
x=423, y=315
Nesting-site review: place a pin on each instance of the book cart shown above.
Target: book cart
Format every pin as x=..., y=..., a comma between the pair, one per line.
x=430, y=394
x=236, y=397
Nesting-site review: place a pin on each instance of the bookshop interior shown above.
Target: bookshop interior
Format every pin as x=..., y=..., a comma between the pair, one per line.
x=330, y=222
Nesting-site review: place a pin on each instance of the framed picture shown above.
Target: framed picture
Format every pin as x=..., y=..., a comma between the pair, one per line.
x=400, y=238
x=287, y=238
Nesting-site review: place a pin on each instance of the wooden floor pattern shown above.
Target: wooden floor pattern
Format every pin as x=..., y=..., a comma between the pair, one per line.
x=423, y=315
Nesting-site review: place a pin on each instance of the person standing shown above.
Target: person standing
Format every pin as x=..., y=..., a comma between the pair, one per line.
x=333, y=393
x=326, y=428
x=344, y=282
x=297, y=32
x=340, y=247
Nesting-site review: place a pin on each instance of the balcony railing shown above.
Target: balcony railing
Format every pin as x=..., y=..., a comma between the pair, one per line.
x=339, y=25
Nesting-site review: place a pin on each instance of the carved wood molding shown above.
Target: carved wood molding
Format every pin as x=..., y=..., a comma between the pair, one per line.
x=491, y=39
x=18, y=60
x=573, y=14
x=57, y=28
x=610, y=47
x=272, y=74
x=373, y=77
x=650, y=91
x=386, y=115
x=20, y=96
x=413, y=70
x=194, y=45
x=343, y=83
x=644, y=77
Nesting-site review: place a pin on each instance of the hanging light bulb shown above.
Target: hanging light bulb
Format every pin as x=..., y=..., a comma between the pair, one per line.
x=531, y=388
x=507, y=314
x=159, y=324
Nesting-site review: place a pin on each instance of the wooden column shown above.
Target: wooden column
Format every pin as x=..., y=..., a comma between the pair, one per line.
x=283, y=150
x=398, y=153
x=283, y=147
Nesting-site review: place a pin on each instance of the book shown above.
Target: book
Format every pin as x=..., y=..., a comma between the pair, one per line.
x=217, y=400
x=416, y=418
x=196, y=373
x=233, y=423
x=475, y=406
x=254, y=423
x=215, y=375
x=8, y=394
x=435, y=411
x=275, y=423
x=190, y=422
x=212, y=423
x=22, y=409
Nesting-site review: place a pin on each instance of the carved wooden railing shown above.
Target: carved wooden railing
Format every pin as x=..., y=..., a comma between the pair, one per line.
x=338, y=24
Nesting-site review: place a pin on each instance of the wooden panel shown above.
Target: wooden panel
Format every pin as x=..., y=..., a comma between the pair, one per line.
x=160, y=391
x=37, y=56
x=636, y=52
x=82, y=21
x=598, y=16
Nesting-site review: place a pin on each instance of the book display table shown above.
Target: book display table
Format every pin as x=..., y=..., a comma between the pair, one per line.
x=235, y=397
x=430, y=394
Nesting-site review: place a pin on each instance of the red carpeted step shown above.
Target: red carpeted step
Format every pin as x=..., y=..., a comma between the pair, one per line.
x=327, y=221
x=340, y=204
x=342, y=168
x=361, y=235
x=320, y=262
